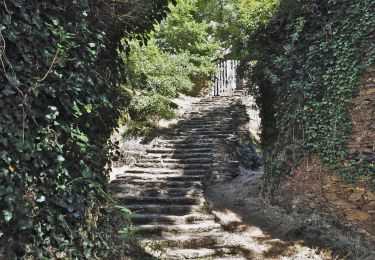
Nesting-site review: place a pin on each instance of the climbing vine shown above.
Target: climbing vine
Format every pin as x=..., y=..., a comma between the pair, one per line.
x=59, y=103
x=309, y=58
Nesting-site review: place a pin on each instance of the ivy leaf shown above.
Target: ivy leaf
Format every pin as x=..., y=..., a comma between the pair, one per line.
x=60, y=158
x=41, y=199
x=7, y=215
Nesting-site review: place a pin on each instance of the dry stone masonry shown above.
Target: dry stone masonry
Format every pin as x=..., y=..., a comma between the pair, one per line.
x=313, y=188
x=165, y=189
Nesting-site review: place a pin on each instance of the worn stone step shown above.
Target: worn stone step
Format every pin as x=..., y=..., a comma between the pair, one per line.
x=177, y=210
x=162, y=184
x=185, y=144
x=198, y=133
x=165, y=177
x=190, y=145
x=208, y=114
x=203, y=160
x=190, y=140
x=158, y=219
x=210, y=123
x=209, y=109
x=179, y=151
x=166, y=171
x=166, y=230
x=179, y=155
x=205, y=126
x=207, y=119
x=134, y=200
x=198, y=253
x=206, y=239
x=126, y=189
x=174, y=165
x=203, y=129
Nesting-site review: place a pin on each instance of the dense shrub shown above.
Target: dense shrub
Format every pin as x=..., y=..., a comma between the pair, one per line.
x=179, y=58
x=149, y=106
x=58, y=105
x=150, y=69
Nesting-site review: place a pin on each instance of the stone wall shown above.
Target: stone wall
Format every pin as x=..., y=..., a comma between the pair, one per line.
x=363, y=117
x=312, y=188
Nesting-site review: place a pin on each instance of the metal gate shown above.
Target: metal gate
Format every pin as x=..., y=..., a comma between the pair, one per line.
x=226, y=80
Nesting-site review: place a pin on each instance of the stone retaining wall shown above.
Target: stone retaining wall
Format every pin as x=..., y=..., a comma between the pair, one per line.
x=363, y=117
x=312, y=188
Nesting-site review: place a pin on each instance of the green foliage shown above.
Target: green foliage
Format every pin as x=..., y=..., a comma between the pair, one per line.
x=309, y=57
x=236, y=20
x=150, y=69
x=58, y=107
x=182, y=32
x=148, y=106
x=178, y=58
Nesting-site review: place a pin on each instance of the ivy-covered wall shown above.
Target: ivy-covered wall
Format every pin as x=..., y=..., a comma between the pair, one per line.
x=58, y=106
x=309, y=59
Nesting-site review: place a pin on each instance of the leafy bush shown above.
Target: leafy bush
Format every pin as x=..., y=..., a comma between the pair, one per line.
x=59, y=104
x=144, y=107
x=151, y=69
x=183, y=32
x=179, y=58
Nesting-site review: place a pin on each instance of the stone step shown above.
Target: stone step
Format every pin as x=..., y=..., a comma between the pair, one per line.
x=198, y=253
x=186, y=143
x=206, y=239
x=203, y=128
x=191, y=140
x=190, y=145
x=205, y=136
x=174, y=165
x=213, y=118
x=179, y=151
x=158, y=219
x=171, y=201
x=203, y=160
x=125, y=189
x=208, y=114
x=167, y=171
x=162, y=184
x=164, y=177
x=177, y=210
x=206, y=128
x=165, y=230
x=210, y=111
x=179, y=155
x=206, y=122
x=202, y=133
x=207, y=117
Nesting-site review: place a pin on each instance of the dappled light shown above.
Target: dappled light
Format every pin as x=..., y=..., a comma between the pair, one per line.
x=187, y=129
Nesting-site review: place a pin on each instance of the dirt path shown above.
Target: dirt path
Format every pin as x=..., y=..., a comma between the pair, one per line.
x=276, y=234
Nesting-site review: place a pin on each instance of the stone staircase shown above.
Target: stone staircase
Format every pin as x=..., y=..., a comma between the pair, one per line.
x=165, y=189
